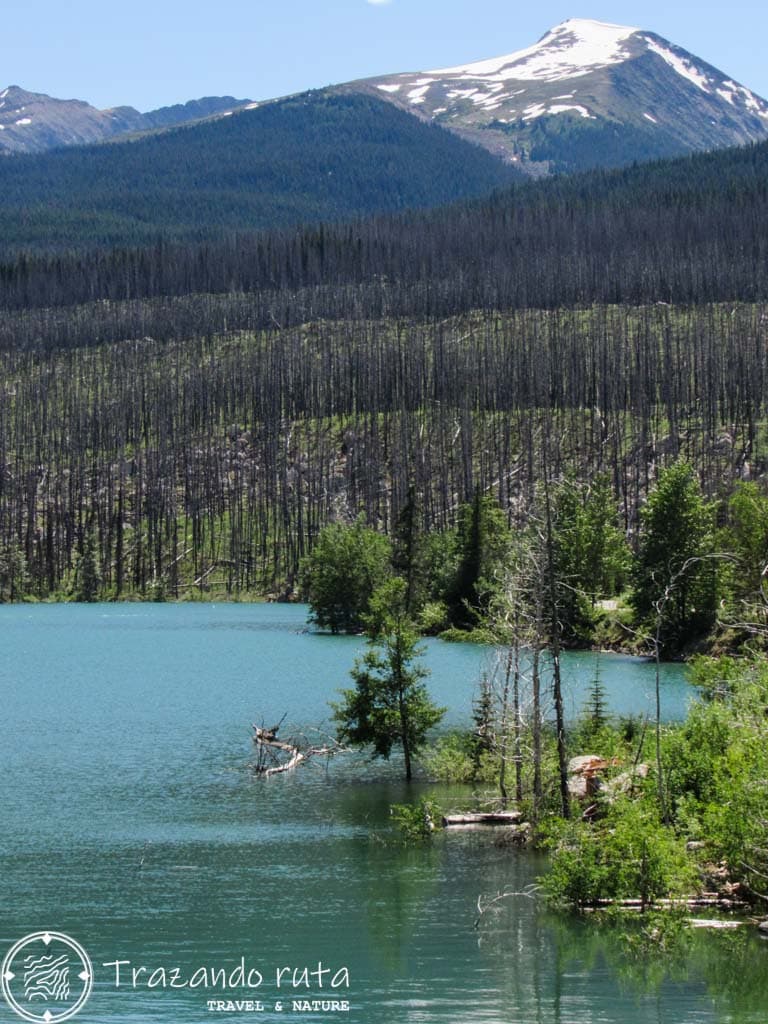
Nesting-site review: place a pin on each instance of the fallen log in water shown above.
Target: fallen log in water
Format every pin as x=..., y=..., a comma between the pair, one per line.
x=498, y=818
x=690, y=902
x=718, y=923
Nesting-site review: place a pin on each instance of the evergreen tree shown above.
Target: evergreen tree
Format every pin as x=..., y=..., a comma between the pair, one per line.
x=596, y=709
x=676, y=535
x=484, y=718
x=87, y=574
x=389, y=705
x=483, y=542
x=408, y=553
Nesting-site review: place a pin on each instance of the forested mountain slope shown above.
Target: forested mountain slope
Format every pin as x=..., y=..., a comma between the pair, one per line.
x=687, y=230
x=587, y=94
x=312, y=158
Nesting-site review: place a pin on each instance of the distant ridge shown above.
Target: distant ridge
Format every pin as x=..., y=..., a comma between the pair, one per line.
x=31, y=122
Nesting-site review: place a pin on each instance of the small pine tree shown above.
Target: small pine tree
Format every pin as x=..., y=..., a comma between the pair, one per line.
x=389, y=705
x=596, y=708
x=87, y=574
x=484, y=733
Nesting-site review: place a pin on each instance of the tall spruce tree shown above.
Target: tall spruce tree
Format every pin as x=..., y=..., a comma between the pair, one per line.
x=483, y=545
x=676, y=536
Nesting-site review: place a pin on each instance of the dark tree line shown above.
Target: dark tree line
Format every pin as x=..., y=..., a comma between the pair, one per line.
x=684, y=231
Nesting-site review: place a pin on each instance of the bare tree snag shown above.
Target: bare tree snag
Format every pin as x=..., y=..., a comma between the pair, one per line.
x=275, y=756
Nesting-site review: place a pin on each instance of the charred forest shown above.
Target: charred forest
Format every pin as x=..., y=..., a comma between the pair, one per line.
x=183, y=419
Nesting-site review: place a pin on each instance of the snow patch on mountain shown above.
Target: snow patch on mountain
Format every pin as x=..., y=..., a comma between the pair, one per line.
x=417, y=95
x=564, y=108
x=682, y=67
x=733, y=90
x=535, y=110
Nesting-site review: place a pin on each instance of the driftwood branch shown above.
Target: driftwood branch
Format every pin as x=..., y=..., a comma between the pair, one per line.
x=276, y=756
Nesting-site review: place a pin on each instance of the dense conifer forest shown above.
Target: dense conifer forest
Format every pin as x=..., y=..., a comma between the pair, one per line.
x=310, y=158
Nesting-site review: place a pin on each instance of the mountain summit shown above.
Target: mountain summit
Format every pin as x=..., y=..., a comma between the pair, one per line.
x=587, y=93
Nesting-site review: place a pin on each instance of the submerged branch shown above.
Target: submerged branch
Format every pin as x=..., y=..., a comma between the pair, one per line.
x=485, y=904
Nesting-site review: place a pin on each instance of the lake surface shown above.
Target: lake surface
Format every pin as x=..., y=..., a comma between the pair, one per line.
x=132, y=823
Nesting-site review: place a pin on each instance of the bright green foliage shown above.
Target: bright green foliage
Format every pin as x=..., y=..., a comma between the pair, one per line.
x=14, y=577
x=672, y=567
x=389, y=705
x=746, y=537
x=629, y=855
x=483, y=544
x=416, y=822
x=607, y=557
x=715, y=678
x=591, y=555
x=452, y=758
x=441, y=558
x=433, y=618
x=346, y=565
x=717, y=772
x=693, y=754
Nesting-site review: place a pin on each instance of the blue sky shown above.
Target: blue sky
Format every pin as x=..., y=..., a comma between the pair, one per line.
x=149, y=53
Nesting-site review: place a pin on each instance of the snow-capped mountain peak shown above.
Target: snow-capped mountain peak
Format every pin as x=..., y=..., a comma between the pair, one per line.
x=587, y=93
x=573, y=48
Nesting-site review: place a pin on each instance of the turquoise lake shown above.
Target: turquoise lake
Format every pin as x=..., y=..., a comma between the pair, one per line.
x=131, y=822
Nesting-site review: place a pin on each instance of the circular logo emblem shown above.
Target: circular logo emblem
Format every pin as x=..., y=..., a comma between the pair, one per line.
x=46, y=977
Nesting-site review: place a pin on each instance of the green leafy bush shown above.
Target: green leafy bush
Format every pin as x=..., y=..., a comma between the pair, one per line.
x=628, y=855
x=416, y=822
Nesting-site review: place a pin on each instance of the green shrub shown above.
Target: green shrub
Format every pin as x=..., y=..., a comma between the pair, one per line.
x=416, y=822
x=628, y=855
x=450, y=758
